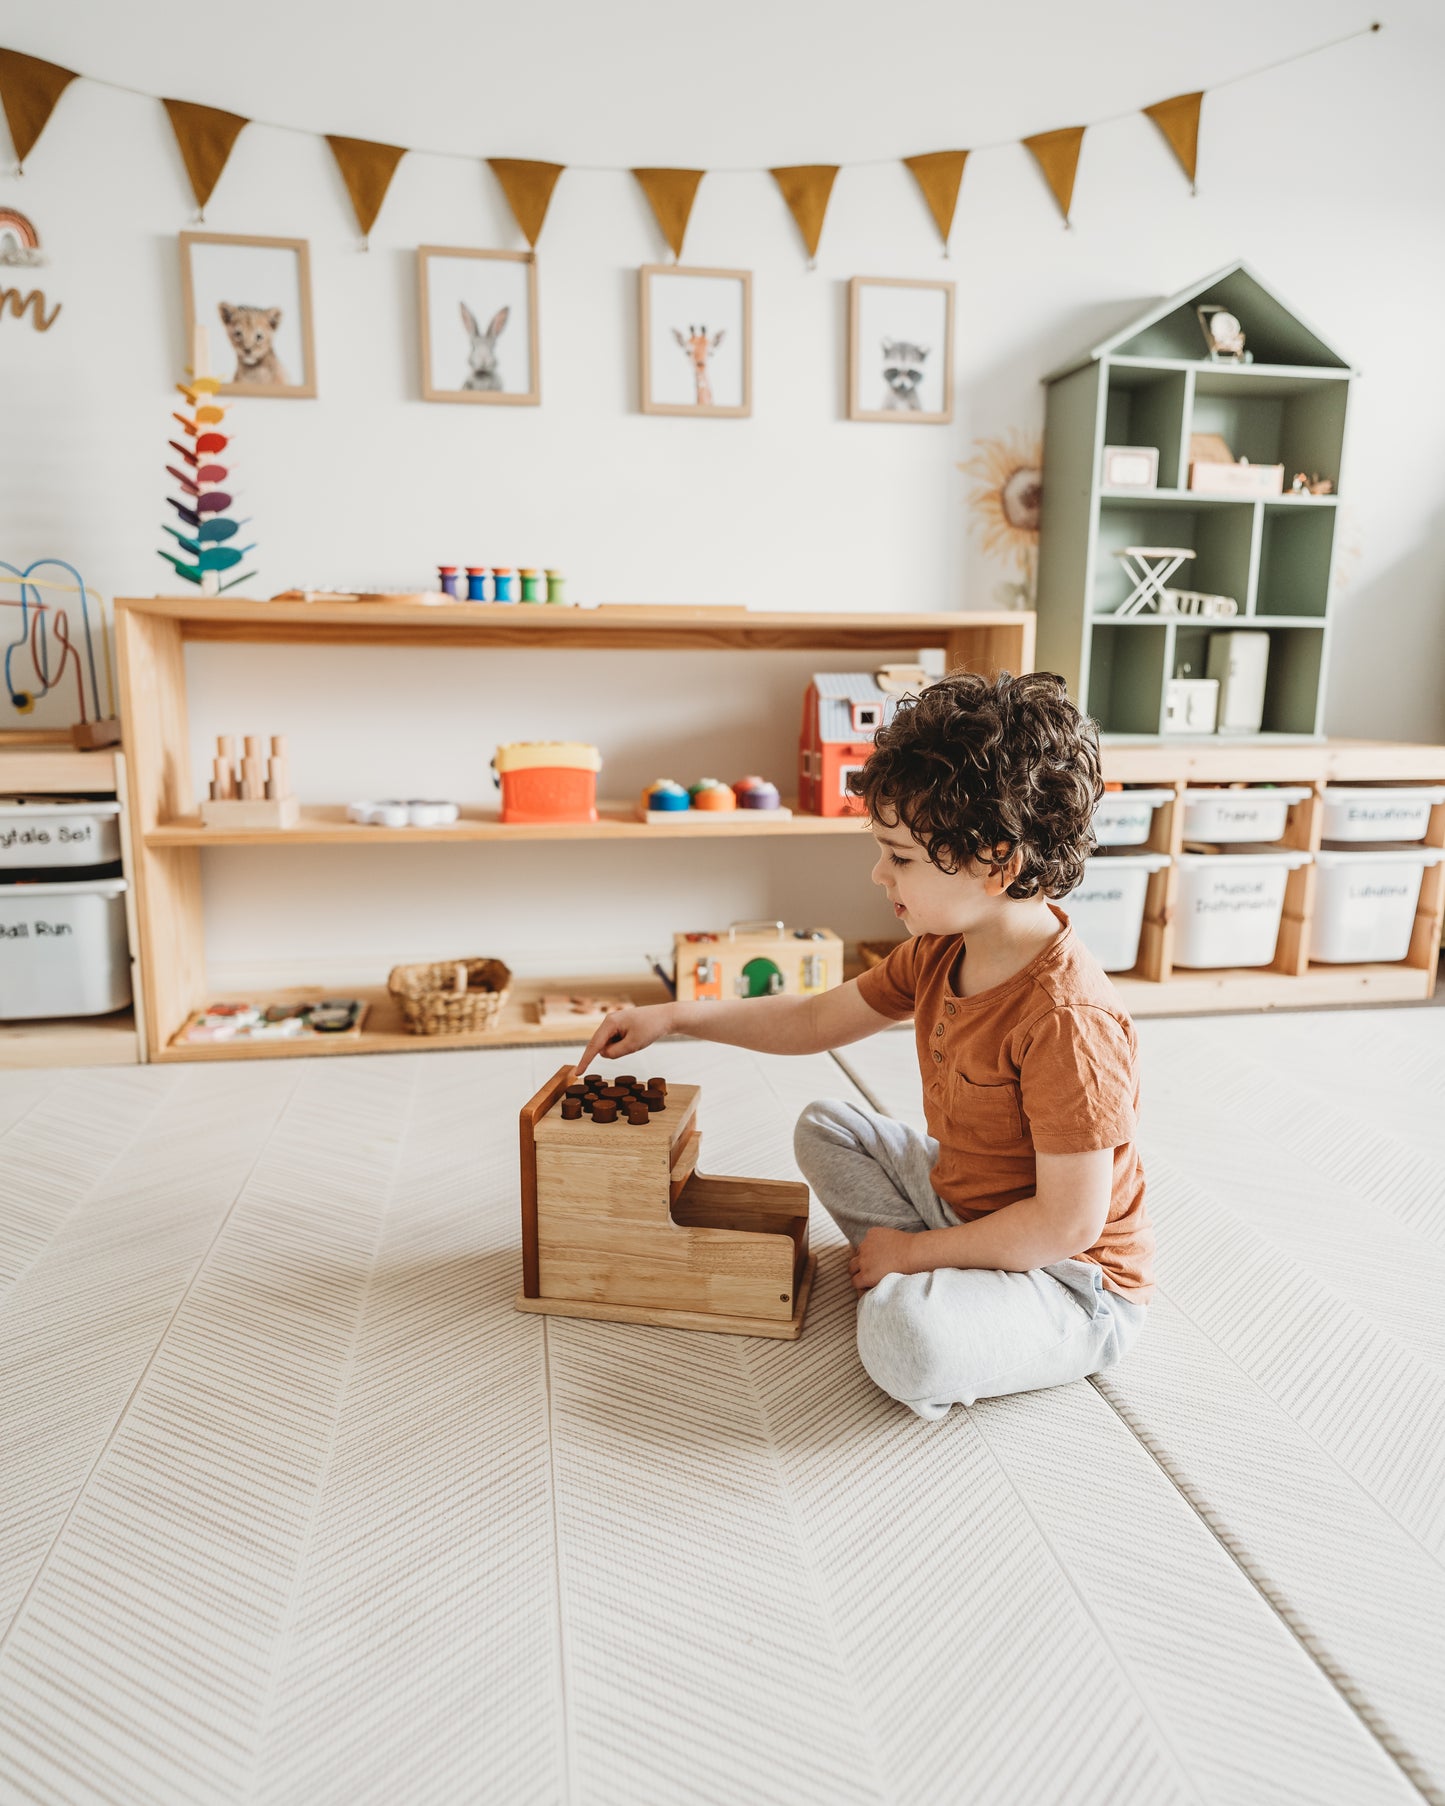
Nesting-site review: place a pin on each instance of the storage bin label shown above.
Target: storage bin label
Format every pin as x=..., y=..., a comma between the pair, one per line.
x=63, y=836
x=1231, y=896
x=20, y=931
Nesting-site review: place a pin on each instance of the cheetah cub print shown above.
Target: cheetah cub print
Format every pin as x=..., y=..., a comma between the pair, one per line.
x=251, y=331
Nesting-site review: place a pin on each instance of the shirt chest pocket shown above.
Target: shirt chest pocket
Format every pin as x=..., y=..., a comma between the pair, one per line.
x=989, y=1115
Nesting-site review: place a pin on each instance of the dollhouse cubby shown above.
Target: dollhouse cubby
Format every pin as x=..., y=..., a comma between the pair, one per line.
x=171, y=840
x=1153, y=385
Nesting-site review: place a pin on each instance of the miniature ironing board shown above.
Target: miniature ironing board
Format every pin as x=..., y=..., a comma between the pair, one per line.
x=1149, y=568
x=618, y=1224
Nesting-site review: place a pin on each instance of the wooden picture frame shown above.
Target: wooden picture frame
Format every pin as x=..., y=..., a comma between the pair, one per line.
x=482, y=353
x=674, y=352
x=916, y=382
x=279, y=344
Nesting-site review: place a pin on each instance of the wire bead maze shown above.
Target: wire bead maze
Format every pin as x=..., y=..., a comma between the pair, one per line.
x=203, y=504
x=41, y=652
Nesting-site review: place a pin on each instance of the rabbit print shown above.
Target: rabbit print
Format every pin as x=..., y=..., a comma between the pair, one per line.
x=484, y=372
x=252, y=332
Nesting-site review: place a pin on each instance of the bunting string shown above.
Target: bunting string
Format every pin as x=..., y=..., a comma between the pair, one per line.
x=30, y=88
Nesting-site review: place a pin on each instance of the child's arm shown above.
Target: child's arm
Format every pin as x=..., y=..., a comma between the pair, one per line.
x=1064, y=1217
x=783, y=1025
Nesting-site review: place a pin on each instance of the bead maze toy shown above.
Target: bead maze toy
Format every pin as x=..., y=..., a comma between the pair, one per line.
x=42, y=652
x=204, y=503
x=254, y=794
x=756, y=959
x=618, y=1223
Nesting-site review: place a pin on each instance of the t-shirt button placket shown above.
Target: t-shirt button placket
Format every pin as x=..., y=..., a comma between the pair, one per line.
x=949, y=1008
x=937, y=1057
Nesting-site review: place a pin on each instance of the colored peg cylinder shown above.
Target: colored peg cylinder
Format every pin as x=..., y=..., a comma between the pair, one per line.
x=531, y=585
x=504, y=584
x=476, y=583
x=556, y=587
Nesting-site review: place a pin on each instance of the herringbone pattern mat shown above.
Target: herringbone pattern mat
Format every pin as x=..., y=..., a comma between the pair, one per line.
x=295, y=1508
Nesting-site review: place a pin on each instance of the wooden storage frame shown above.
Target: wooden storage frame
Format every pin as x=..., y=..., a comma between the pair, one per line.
x=1157, y=987
x=54, y=769
x=151, y=635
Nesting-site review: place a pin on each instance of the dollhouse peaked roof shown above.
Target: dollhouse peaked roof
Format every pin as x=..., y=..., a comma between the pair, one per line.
x=1273, y=331
x=837, y=692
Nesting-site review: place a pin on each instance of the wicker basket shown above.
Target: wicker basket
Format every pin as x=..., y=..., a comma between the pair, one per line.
x=451, y=996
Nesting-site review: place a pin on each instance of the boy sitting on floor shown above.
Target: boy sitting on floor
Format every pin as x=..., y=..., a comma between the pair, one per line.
x=1009, y=1248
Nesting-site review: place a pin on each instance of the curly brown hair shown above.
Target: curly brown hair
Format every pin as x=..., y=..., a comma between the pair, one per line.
x=983, y=768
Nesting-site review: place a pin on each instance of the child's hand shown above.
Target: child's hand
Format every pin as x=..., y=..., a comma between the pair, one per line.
x=881, y=1251
x=624, y=1032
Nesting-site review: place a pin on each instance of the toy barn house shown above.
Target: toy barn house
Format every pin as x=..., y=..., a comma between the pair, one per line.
x=841, y=713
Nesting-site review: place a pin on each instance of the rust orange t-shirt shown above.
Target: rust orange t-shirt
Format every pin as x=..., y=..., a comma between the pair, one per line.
x=1046, y=1062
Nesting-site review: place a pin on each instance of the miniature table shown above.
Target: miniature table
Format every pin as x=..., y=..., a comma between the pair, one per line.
x=1149, y=568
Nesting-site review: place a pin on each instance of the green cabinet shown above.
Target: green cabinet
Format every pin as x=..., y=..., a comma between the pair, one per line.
x=1153, y=384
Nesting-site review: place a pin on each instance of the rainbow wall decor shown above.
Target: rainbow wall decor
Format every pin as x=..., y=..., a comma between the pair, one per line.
x=205, y=499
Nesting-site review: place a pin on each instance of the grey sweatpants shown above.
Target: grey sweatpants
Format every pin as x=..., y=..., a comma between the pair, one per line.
x=956, y=1334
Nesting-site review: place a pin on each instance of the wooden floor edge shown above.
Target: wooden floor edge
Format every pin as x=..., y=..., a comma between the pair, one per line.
x=774, y=1328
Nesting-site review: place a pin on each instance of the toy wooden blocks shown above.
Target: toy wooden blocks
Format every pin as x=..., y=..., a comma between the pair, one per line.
x=756, y=959
x=254, y=794
x=618, y=1224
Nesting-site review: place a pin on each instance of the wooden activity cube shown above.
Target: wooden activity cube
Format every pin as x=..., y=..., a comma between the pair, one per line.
x=618, y=1224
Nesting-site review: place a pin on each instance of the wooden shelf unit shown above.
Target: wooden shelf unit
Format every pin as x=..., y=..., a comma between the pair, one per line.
x=1157, y=987
x=151, y=635
x=53, y=768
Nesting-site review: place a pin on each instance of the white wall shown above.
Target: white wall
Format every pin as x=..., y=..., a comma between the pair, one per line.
x=1324, y=174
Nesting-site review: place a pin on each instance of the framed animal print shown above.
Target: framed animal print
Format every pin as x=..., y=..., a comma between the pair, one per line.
x=696, y=341
x=900, y=350
x=252, y=297
x=478, y=312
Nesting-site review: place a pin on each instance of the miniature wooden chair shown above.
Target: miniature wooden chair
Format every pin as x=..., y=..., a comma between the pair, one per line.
x=618, y=1224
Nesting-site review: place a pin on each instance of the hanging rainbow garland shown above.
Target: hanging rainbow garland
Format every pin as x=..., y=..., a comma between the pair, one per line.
x=204, y=503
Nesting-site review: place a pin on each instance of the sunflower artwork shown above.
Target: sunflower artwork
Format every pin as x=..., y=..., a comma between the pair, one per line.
x=1004, y=509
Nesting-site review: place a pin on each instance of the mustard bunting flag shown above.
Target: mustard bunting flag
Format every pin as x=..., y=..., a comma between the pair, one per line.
x=671, y=193
x=367, y=170
x=939, y=176
x=1178, y=120
x=206, y=136
x=528, y=188
x=29, y=90
x=806, y=188
x=1057, y=155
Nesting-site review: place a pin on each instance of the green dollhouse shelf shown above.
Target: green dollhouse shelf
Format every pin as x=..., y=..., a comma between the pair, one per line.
x=1151, y=384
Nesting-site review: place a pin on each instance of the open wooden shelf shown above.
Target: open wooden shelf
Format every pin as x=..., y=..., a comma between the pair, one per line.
x=151, y=636
x=327, y=825
x=1190, y=992
x=386, y=1032
x=71, y=1041
x=980, y=639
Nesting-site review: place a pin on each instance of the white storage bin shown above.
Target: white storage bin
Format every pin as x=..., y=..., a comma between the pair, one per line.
x=1365, y=902
x=1228, y=905
x=1107, y=909
x=46, y=831
x=1124, y=817
x=63, y=949
x=1367, y=812
x=1231, y=815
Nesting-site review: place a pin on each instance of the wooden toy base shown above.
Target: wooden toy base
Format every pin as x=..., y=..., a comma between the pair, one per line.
x=259, y=812
x=660, y=1318
x=88, y=736
x=708, y=818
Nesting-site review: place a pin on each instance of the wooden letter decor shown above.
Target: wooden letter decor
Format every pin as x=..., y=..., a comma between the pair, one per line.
x=35, y=300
